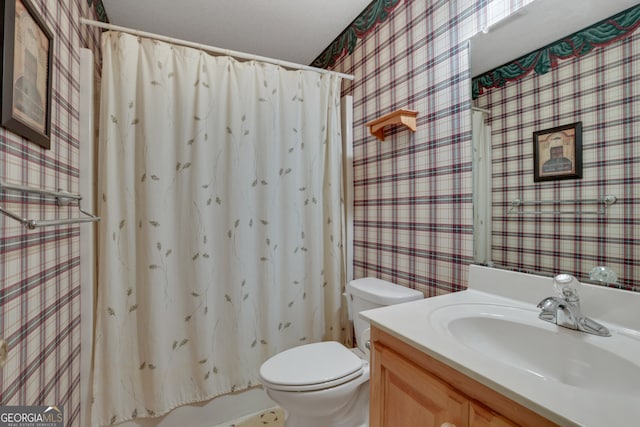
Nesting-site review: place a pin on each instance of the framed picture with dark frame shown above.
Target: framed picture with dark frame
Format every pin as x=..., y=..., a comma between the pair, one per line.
x=27, y=58
x=557, y=153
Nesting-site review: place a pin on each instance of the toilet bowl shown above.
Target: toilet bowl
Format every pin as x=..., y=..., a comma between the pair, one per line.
x=325, y=384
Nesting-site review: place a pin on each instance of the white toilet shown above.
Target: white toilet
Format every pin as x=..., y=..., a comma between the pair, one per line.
x=325, y=384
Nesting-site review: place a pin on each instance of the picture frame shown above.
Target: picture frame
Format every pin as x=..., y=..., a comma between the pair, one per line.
x=26, y=47
x=557, y=153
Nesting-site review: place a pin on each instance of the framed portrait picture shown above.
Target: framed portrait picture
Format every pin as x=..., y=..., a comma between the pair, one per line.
x=27, y=57
x=557, y=153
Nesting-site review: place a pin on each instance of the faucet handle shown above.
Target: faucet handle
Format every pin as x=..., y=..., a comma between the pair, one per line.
x=567, y=286
x=603, y=275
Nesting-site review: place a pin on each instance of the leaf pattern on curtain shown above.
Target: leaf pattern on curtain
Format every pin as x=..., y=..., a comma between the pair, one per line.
x=221, y=239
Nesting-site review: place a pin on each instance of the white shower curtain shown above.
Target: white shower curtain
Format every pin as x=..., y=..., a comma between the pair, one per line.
x=221, y=233
x=482, y=189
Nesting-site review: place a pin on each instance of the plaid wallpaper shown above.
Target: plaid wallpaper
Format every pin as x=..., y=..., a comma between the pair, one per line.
x=602, y=90
x=39, y=270
x=413, y=213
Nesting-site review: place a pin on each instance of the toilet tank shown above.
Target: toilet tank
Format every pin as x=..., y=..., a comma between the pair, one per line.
x=369, y=292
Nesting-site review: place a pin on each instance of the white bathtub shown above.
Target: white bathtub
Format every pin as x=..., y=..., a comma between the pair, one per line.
x=219, y=411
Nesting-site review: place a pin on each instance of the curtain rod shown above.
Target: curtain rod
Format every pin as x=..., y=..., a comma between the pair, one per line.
x=213, y=49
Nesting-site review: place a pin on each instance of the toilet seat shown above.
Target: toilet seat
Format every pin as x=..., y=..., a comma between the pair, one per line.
x=311, y=367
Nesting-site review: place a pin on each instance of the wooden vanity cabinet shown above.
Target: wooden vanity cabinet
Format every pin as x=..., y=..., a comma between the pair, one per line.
x=411, y=389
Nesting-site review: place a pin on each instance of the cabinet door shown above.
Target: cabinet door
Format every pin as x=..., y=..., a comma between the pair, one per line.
x=480, y=416
x=403, y=394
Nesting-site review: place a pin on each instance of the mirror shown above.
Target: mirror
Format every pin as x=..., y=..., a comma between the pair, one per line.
x=538, y=24
x=569, y=228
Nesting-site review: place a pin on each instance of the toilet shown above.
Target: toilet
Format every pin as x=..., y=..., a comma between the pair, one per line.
x=325, y=384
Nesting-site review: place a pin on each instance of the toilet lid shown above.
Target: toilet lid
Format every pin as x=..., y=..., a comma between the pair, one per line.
x=311, y=366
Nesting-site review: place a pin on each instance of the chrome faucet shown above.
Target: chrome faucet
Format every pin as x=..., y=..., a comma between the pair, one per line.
x=566, y=311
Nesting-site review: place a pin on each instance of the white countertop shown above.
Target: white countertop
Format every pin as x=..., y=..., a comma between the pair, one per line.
x=564, y=404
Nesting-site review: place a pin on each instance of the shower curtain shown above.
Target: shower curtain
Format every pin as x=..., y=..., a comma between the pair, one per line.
x=481, y=142
x=222, y=231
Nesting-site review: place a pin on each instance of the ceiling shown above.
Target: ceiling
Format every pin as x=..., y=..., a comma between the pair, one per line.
x=290, y=30
x=541, y=22
x=299, y=30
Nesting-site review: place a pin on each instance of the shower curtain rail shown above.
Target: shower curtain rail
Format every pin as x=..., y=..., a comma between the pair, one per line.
x=62, y=198
x=213, y=49
x=605, y=201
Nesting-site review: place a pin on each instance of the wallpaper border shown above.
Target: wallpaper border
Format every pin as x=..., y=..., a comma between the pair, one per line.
x=373, y=15
x=580, y=43
x=99, y=9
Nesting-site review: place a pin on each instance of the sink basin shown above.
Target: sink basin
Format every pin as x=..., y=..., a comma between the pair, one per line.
x=516, y=337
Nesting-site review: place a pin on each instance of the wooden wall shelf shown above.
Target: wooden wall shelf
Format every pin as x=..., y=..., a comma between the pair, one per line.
x=401, y=117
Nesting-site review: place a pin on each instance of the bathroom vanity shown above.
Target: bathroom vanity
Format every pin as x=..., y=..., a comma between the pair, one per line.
x=483, y=357
x=411, y=388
